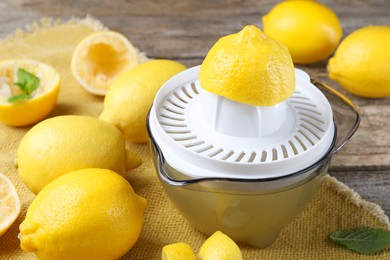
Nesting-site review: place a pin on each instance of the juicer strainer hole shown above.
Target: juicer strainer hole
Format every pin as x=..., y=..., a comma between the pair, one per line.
x=308, y=110
x=263, y=156
x=239, y=158
x=306, y=136
x=292, y=145
x=163, y=123
x=252, y=157
x=296, y=95
x=227, y=156
x=310, y=130
x=300, y=142
x=186, y=92
x=194, y=88
x=193, y=144
x=175, y=103
x=173, y=111
x=284, y=150
x=274, y=154
x=180, y=98
x=313, y=124
x=303, y=103
x=171, y=117
x=185, y=138
x=204, y=149
x=175, y=131
x=215, y=153
x=316, y=118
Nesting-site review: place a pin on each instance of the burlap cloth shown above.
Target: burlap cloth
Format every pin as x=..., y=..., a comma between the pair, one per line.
x=335, y=207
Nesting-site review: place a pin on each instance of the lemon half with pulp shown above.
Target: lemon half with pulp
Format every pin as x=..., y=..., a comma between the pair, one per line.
x=101, y=57
x=9, y=204
x=41, y=101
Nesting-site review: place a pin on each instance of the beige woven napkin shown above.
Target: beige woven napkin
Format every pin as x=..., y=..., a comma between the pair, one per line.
x=335, y=206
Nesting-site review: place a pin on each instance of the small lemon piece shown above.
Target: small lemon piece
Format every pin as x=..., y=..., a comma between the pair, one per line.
x=178, y=251
x=310, y=30
x=361, y=63
x=85, y=214
x=219, y=247
x=62, y=144
x=9, y=204
x=101, y=57
x=42, y=101
x=131, y=95
x=249, y=67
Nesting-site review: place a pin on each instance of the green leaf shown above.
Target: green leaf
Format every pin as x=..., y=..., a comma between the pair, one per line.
x=27, y=83
x=18, y=98
x=363, y=240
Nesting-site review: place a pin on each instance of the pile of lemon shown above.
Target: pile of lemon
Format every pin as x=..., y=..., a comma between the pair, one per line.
x=76, y=165
x=312, y=32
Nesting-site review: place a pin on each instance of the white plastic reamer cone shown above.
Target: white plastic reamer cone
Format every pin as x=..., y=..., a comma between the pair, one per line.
x=204, y=135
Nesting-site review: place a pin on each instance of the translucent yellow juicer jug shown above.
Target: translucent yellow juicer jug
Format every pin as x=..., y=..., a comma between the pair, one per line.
x=244, y=170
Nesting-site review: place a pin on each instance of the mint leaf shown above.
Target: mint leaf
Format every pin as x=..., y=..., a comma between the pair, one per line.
x=18, y=98
x=363, y=240
x=27, y=83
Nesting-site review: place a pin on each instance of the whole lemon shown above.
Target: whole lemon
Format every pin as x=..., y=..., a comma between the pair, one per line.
x=361, y=63
x=85, y=214
x=249, y=67
x=310, y=30
x=131, y=95
x=62, y=144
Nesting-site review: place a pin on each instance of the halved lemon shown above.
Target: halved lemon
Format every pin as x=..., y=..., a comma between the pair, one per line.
x=35, y=106
x=100, y=57
x=9, y=204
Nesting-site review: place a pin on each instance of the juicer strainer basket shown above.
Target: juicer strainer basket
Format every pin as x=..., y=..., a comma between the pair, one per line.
x=204, y=135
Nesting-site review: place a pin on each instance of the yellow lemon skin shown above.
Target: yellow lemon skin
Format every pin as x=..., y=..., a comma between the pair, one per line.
x=62, y=144
x=219, y=246
x=361, y=63
x=85, y=214
x=249, y=67
x=130, y=97
x=37, y=108
x=310, y=30
x=178, y=251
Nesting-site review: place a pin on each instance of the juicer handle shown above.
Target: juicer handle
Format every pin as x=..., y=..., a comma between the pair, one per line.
x=346, y=116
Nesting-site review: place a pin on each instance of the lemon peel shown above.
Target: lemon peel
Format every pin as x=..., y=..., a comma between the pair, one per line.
x=131, y=95
x=219, y=246
x=9, y=204
x=85, y=214
x=249, y=67
x=360, y=65
x=100, y=58
x=310, y=30
x=43, y=99
x=62, y=144
x=178, y=251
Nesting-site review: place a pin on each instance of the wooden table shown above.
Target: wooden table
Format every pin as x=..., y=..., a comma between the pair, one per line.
x=185, y=30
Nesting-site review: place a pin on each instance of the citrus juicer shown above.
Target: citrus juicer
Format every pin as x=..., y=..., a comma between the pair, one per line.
x=245, y=170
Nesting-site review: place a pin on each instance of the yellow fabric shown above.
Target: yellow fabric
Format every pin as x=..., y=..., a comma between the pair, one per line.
x=335, y=207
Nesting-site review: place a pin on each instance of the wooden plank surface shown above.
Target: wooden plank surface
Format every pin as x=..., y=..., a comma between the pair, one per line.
x=185, y=30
